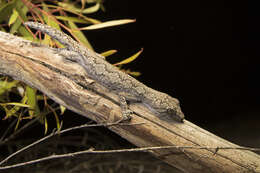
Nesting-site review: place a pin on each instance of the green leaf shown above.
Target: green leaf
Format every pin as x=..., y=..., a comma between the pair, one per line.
x=25, y=33
x=2, y=3
x=62, y=109
x=19, y=118
x=59, y=128
x=6, y=86
x=69, y=7
x=6, y=10
x=46, y=126
x=8, y=113
x=77, y=33
x=109, y=24
x=13, y=110
x=92, y=9
x=13, y=17
x=48, y=21
x=133, y=73
x=91, y=1
x=57, y=120
x=22, y=14
x=3, y=29
x=32, y=102
x=87, y=19
x=15, y=104
x=73, y=19
x=72, y=8
x=108, y=53
x=130, y=59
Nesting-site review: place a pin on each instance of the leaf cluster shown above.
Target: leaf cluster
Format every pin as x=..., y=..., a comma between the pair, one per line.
x=66, y=15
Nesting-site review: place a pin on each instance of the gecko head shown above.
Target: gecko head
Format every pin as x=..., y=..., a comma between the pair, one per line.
x=168, y=106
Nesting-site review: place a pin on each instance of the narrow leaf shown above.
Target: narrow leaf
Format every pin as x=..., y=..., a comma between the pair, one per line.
x=130, y=59
x=108, y=53
x=22, y=14
x=13, y=110
x=19, y=118
x=15, y=104
x=88, y=19
x=13, y=17
x=92, y=9
x=62, y=109
x=25, y=33
x=72, y=8
x=108, y=24
x=57, y=120
x=73, y=19
x=6, y=10
x=59, y=128
x=6, y=86
x=32, y=101
x=45, y=125
x=132, y=73
x=91, y=1
x=69, y=7
x=8, y=113
x=50, y=22
x=79, y=35
x=22, y=10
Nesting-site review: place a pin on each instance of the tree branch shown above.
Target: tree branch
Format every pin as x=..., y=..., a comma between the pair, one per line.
x=68, y=84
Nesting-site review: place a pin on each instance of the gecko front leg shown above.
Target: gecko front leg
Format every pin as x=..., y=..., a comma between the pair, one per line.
x=124, y=98
x=126, y=112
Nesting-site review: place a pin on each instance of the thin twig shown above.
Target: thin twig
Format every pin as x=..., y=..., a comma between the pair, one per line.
x=63, y=131
x=2, y=142
x=144, y=149
x=6, y=131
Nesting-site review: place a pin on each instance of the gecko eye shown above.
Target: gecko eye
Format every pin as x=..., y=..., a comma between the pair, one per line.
x=171, y=111
x=177, y=113
x=176, y=101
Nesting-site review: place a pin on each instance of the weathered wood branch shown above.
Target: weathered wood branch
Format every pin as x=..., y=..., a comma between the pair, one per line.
x=67, y=83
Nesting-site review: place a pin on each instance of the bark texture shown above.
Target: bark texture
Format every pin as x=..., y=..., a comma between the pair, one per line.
x=68, y=84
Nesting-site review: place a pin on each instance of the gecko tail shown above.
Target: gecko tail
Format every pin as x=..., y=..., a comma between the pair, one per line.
x=54, y=33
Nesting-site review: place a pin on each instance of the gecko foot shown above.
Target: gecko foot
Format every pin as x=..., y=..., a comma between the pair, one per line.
x=124, y=109
x=127, y=115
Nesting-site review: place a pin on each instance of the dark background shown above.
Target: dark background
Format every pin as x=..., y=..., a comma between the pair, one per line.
x=205, y=53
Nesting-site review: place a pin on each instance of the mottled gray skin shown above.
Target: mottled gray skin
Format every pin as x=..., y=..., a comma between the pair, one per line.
x=112, y=78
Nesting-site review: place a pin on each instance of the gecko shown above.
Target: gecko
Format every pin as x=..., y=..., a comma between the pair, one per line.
x=125, y=86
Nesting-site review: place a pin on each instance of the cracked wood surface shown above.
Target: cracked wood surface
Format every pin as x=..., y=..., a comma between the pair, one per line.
x=67, y=83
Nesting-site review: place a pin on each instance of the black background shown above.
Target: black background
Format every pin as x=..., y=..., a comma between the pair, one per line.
x=205, y=53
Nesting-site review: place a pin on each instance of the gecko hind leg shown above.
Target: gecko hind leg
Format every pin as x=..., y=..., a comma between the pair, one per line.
x=68, y=54
x=126, y=112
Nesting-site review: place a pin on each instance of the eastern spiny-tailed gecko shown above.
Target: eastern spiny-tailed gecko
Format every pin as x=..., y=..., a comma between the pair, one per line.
x=125, y=86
